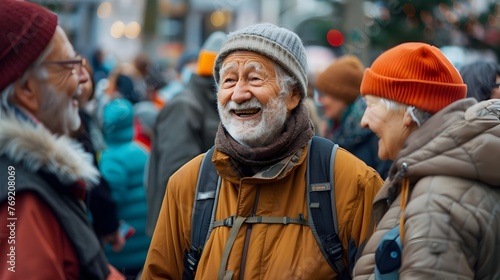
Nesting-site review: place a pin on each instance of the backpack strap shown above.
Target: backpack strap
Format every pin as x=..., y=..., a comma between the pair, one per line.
x=321, y=201
x=207, y=193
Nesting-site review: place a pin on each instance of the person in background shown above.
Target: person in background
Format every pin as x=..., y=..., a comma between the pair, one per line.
x=184, y=128
x=318, y=58
x=152, y=78
x=343, y=106
x=101, y=206
x=482, y=79
x=145, y=114
x=180, y=75
x=438, y=214
x=261, y=153
x=97, y=62
x=122, y=164
x=45, y=233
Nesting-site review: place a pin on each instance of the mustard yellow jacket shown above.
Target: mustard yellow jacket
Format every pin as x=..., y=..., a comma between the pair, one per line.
x=261, y=251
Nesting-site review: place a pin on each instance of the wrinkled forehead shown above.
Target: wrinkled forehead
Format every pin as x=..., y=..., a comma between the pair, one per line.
x=247, y=61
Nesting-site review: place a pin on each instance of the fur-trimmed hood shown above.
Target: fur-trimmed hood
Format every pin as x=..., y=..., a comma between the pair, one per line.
x=36, y=148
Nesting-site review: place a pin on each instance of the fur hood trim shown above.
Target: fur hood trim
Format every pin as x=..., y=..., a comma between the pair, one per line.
x=36, y=148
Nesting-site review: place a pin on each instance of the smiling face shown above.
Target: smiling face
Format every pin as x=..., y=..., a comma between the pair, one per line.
x=51, y=89
x=251, y=107
x=391, y=126
x=59, y=93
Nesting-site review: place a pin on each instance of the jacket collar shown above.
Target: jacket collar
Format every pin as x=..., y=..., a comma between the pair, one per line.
x=37, y=149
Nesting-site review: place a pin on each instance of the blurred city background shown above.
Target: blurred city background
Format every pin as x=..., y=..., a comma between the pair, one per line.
x=466, y=30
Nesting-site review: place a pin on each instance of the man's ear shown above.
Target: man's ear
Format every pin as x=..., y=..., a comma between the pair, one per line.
x=294, y=99
x=408, y=121
x=27, y=95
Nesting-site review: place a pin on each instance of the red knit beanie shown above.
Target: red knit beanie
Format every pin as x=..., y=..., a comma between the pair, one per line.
x=25, y=30
x=341, y=79
x=414, y=74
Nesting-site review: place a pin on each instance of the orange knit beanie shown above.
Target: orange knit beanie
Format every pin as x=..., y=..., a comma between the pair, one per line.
x=208, y=53
x=341, y=79
x=414, y=74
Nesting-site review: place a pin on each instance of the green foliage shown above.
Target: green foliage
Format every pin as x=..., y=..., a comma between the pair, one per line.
x=432, y=22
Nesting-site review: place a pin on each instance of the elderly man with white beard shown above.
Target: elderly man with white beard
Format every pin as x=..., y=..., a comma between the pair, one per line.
x=260, y=154
x=44, y=173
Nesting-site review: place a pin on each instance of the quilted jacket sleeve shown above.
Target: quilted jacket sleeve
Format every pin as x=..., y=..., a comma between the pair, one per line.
x=450, y=232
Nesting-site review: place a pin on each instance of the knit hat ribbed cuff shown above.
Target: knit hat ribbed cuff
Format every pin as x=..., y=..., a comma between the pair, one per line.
x=415, y=74
x=268, y=48
x=206, y=61
x=208, y=53
x=431, y=97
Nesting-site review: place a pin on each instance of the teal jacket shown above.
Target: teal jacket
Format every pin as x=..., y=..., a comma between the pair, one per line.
x=123, y=165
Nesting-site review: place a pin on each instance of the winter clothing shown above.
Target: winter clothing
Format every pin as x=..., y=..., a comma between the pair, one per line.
x=185, y=128
x=342, y=79
x=449, y=167
x=277, y=190
x=431, y=84
x=145, y=114
x=29, y=38
x=101, y=205
x=361, y=142
x=53, y=236
x=208, y=53
x=274, y=186
x=122, y=165
x=281, y=45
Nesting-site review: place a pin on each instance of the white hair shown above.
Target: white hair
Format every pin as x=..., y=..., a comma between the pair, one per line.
x=285, y=81
x=418, y=116
x=35, y=69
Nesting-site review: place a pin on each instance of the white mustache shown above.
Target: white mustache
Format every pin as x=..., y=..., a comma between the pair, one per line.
x=250, y=104
x=77, y=93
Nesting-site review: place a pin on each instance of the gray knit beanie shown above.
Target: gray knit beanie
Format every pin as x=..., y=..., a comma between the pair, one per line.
x=281, y=45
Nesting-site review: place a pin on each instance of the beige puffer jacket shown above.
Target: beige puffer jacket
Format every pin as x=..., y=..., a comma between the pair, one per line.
x=451, y=169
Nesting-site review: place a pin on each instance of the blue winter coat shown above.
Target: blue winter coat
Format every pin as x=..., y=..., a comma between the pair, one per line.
x=123, y=165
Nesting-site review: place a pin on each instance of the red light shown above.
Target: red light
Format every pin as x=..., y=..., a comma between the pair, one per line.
x=335, y=38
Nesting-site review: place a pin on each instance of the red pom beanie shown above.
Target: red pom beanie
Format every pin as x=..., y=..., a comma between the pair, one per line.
x=415, y=74
x=25, y=30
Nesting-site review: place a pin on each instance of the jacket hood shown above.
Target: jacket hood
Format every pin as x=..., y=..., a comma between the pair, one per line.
x=36, y=148
x=462, y=140
x=118, y=122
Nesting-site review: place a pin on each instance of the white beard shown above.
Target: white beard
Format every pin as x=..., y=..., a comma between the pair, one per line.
x=255, y=133
x=57, y=112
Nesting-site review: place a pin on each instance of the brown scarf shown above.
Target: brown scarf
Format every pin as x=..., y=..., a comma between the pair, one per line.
x=297, y=131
